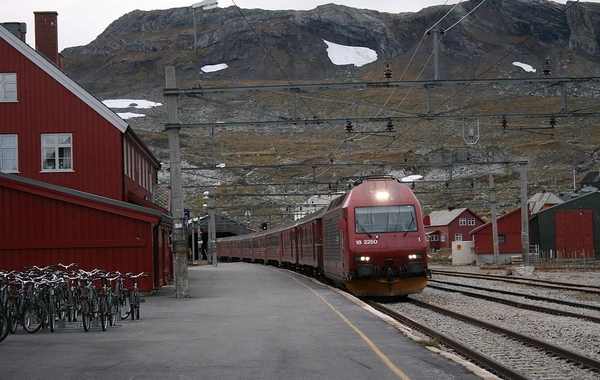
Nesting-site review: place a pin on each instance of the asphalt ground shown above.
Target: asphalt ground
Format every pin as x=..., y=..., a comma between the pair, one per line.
x=242, y=321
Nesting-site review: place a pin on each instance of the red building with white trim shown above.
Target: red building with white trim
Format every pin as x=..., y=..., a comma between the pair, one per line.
x=72, y=171
x=445, y=226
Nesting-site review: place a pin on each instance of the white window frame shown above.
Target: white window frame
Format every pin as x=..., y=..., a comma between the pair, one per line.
x=5, y=149
x=434, y=237
x=58, y=149
x=443, y=238
x=462, y=221
x=8, y=87
x=458, y=237
x=471, y=221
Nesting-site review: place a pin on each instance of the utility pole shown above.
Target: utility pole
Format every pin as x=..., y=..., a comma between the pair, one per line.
x=436, y=41
x=182, y=289
x=524, y=215
x=494, y=221
x=212, y=237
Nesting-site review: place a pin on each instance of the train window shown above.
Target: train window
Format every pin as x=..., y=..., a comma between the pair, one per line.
x=385, y=219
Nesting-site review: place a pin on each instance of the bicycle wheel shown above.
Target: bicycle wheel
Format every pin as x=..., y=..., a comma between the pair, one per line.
x=132, y=306
x=137, y=305
x=4, y=327
x=13, y=316
x=86, y=315
x=61, y=306
x=33, y=316
x=113, y=306
x=102, y=312
x=51, y=314
x=71, y=308
x=125, y=307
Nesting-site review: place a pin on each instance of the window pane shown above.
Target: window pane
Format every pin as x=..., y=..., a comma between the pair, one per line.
x=8, y=140
x=9, y=159
x=64, y=139
x=49, y=161
x=48, y=139
x=64, y=158
x=385, y=219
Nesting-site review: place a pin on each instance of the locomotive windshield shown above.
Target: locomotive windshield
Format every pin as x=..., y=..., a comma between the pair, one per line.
x=379, y=219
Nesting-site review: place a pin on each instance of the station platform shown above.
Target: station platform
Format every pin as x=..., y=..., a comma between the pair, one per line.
x=242, y=321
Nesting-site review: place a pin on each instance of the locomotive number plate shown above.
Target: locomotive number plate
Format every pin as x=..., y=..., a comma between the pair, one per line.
x=366, y=241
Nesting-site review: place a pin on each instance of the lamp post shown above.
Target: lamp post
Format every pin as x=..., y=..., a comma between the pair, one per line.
x=212, y=227
x=204, y=5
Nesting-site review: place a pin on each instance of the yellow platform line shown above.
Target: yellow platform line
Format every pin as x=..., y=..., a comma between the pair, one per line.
x=369, y=342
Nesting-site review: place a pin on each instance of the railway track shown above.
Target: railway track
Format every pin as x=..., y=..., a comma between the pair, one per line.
x=504, y=352
x=518, y=304
x=591, y=289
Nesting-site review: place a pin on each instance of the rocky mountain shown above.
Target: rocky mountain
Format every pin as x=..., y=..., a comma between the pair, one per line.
x=280, y=45
x=479, y=40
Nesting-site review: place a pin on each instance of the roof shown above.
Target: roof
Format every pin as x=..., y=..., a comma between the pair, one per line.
x=537, y=202
x=488, y=224
x=63, y=79
x=80, y=197
x=589, y=196
x=591, y=177
x=444, y=217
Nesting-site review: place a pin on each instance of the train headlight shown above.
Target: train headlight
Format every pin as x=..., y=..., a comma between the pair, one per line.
x=382, y=195
x=415, y=256
x=364, y=259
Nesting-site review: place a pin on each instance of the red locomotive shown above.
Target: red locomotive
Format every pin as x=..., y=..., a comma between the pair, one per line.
x=370, y=241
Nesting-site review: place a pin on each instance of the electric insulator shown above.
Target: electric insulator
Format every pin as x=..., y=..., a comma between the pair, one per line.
x=349, y=126
x=387, y=73
x=546, y=69
x=389, y=126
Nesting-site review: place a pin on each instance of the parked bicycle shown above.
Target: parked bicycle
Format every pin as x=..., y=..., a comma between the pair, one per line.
x=90, y=301
x=41, y=297
x=134, y=295
x=34, y=311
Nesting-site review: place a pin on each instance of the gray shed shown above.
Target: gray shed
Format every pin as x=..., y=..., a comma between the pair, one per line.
x=571, y=229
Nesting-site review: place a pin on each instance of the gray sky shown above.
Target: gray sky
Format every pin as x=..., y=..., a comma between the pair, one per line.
x=81, y=21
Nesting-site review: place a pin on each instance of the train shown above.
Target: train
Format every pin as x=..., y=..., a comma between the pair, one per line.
x=369, y=241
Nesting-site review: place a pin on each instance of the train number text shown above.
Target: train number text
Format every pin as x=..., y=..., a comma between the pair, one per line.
x=366, y=241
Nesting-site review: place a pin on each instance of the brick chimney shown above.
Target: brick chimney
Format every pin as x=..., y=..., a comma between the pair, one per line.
x=46, y=36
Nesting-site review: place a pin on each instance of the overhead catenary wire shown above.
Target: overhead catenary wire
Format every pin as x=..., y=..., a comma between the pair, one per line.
x=275, y=61
x=480, y=75
x=410, y=89
x=405, y=131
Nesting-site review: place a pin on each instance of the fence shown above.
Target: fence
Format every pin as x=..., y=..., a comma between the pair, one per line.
x=564, y=260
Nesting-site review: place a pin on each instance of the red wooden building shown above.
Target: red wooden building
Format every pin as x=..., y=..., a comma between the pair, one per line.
x=84, y=169
x=509, y=238
x=445, y=226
